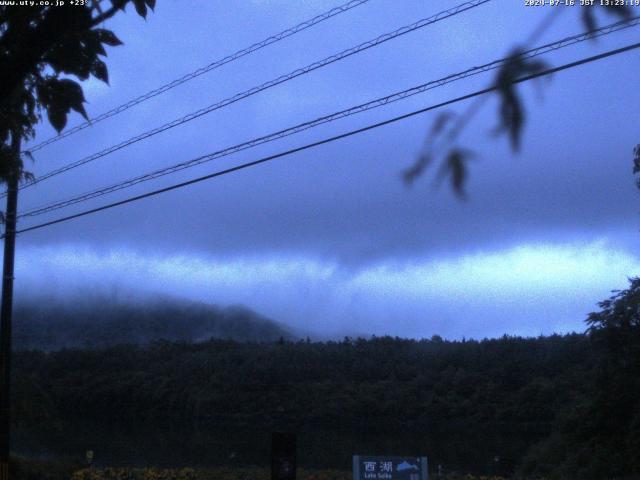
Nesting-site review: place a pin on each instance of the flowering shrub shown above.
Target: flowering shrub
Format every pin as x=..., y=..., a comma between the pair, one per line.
x=135, y=474
x=459, y=476
x=226, y=473
x=219, y=473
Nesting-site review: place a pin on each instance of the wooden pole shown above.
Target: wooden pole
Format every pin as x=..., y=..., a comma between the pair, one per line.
x=6, y=309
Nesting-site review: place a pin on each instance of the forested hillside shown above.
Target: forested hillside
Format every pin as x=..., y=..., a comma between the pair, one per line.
x=560, y=406
x=100, y=322
x=467, y=402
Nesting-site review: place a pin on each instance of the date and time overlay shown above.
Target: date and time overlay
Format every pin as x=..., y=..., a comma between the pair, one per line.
x=527, y=3
x=581, y=3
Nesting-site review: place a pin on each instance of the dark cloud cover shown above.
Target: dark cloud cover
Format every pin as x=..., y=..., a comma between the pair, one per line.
x=342, y=208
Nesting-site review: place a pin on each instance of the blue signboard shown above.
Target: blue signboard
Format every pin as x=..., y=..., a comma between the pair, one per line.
x=389, y=468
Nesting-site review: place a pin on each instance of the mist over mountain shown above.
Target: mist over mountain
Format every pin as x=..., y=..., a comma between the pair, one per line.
x=93, y=320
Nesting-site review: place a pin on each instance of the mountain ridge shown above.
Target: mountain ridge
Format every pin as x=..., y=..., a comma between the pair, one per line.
x=97, y=321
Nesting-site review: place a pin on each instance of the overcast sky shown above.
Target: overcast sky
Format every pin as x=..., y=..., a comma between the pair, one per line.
x=330, y=239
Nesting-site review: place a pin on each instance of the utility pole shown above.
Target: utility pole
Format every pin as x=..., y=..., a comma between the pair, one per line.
x=6, y=307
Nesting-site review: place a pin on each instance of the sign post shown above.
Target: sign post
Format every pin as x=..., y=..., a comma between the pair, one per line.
x=389, y=468
x=283, y=456
x=89, y=456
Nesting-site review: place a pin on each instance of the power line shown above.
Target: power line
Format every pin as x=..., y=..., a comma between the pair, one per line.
x=331, y=139
x=330, y=118
x=272, y=83
x=201, y=71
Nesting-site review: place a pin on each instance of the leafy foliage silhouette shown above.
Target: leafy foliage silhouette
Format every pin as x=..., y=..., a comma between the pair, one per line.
x=598, y=438
x=589, y=17
x=551, y=407
x=40, y=46
x=455, y=167
x=511, y=112
x=463, y=402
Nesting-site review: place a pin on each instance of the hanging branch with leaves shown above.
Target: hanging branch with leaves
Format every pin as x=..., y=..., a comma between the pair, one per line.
x=40, y=48
x=441, y=142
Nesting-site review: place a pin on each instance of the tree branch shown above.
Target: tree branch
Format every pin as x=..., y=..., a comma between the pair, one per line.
x=117, y=5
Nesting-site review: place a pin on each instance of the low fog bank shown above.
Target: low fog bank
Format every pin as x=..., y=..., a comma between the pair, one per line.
x=526, y=290
x=91, y=319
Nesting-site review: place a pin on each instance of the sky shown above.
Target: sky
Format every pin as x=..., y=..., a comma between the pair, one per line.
x=330, y=240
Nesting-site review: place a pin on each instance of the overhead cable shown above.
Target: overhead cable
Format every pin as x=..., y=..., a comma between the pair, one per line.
x=379, y=102
x=269, y=158
x=272, y=83
x=202, y=70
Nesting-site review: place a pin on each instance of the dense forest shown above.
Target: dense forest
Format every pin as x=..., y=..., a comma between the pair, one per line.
x=468, y=401
x=560, y=406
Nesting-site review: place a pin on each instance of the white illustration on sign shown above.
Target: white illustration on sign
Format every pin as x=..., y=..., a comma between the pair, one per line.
x=406, y=466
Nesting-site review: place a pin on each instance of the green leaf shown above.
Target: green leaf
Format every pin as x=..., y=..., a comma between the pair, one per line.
x=28, y=177
x=99, y=70
x=73, y=95
x=29, y=155
x=57, y=117
x=589, y=17
x=441, y=122
x=72, y=57
x=58, y=97
x=94, y=45
x=455, y=167
x=412, y=173
x=141, y=7
x=107, y=37
x=119, y=4
x=511, y=112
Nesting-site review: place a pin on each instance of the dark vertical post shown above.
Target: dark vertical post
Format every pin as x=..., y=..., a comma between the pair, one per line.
x=6, y=308
x=283, y=456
